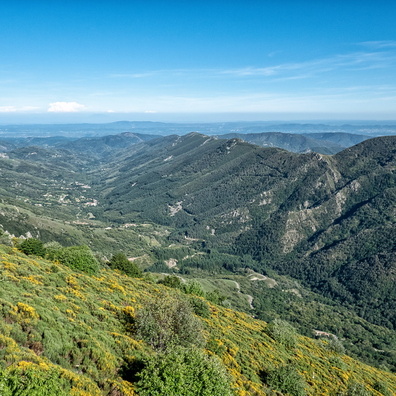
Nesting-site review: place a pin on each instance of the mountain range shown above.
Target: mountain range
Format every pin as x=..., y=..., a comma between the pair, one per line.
x=318, y=228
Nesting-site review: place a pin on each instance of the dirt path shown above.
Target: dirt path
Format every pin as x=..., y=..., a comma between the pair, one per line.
x=249, y=297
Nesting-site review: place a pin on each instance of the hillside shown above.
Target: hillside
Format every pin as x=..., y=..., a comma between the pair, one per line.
x=214, y=210
x=311, y=216
x=296, y=143
x=66, y=332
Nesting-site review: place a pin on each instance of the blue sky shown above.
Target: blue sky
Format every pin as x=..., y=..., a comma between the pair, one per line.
x=197, y=60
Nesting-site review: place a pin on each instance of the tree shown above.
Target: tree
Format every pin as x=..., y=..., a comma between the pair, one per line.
x=168, y=321
x=32, y=246
x=120, y=262
x=183, y=372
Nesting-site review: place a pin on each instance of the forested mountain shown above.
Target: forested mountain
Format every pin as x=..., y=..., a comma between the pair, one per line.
x=225, y=211
x=311, y=216
x=297, y=143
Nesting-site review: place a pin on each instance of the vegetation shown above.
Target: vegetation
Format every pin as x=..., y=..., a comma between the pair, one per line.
x=120, y=262
x=305, y=242
x=78, y=258
x=166, y=322
x=286, y=379
x=32, y=246
x=78, y=332
x=184, y=372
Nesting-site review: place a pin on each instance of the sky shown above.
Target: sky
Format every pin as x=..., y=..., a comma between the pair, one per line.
x=95, y=61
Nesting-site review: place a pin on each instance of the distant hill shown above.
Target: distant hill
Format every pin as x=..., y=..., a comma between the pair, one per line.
x=99, y=146
x=341, y=138
x=289, y=141
x=369, y=129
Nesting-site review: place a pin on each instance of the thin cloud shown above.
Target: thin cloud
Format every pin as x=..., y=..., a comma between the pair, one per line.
x=13, y=109
x=65, y=107
x=355, y=60
x=379, y=44
x=7, y=109
x=134, y=75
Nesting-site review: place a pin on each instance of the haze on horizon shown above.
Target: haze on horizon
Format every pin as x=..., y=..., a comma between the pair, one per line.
x=102, y=61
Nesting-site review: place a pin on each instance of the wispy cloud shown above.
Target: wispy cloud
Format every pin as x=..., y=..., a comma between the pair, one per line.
x=361, y=60
x=13, y=109
x=379, y=44
x=379, y=56
x=7, y=109
x=134, y=75
x=65, y=107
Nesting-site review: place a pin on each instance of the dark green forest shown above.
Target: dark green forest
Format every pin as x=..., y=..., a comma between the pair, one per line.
x=304, y=238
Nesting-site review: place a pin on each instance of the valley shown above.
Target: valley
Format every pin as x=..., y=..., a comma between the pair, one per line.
x=304, y=237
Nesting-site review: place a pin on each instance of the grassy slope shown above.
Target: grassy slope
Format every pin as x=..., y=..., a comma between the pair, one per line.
x=73, y=328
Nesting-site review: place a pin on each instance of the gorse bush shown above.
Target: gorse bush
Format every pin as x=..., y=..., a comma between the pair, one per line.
x=168, y=321
x=35, y=380
x=184, y=372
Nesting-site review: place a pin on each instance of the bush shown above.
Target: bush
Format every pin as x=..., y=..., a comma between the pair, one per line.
x=286, y=379
x=166, y=322
x=215, y=297
x=172, y=281
x=78, y=258
x=51, y=249
x=282, y=332
x=32, y=246
x=193, y=287
x=335, y=345
x=120, y=262
x=32, y=381
x=355, y=388
x=200, y=306
x=183, y=372
x=382, y=388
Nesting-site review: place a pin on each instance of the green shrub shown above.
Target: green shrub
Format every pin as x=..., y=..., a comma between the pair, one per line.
x=200, y=306
x=172, y=281
x=382, y=388
x=287, y=380
x=355, y=388
x=193, y=287
x=215, y=297
x=335, y=345
x=282, y=332
x=166, y=322
x=32, y=246
x=32, y=381
x=120, y=262
x=78, y=258
x=183, y=372
x=51, y=249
